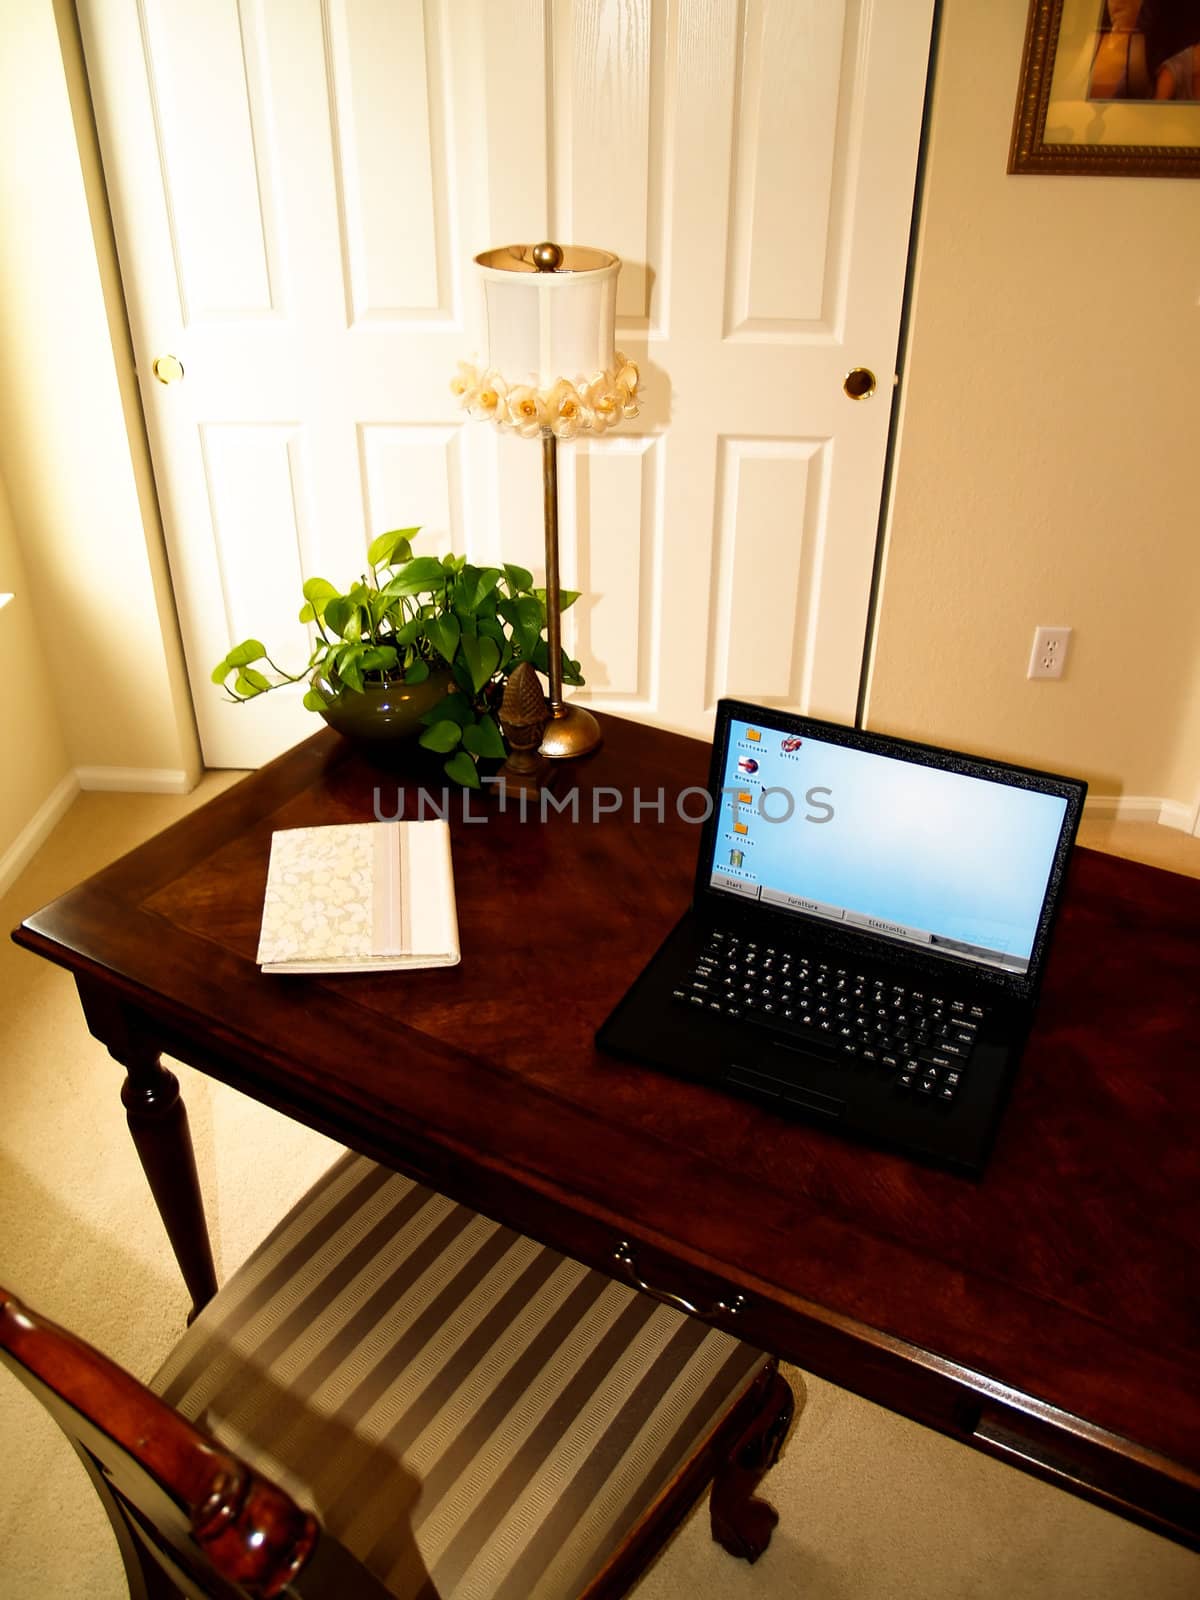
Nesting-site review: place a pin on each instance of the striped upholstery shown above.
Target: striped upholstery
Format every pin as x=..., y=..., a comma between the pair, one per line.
x=473, y=1415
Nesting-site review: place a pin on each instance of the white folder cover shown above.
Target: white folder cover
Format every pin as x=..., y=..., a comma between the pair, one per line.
x=359, y=897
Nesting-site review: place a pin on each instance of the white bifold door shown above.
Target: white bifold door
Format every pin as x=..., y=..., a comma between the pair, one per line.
x=298, y=189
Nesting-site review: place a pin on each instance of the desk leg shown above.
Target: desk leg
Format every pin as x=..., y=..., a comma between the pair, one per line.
x=741, y=1522
x=158, y=1122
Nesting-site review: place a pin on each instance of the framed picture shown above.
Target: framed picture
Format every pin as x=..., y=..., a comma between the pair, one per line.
x=1110, y=86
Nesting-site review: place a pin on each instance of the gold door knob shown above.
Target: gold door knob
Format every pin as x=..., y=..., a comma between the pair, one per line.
x=860, y=384
x=168, y=369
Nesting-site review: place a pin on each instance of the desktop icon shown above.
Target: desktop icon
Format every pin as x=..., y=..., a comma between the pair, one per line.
x=748, y=765
x=740, y=827
x=745, y=798
x=791, y=744
x=736, y=857
x=753, y=735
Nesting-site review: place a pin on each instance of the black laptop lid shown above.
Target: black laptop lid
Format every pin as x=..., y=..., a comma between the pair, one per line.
x=934, y=856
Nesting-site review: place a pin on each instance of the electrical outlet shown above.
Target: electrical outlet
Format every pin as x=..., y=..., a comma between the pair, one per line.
x=1049, y=654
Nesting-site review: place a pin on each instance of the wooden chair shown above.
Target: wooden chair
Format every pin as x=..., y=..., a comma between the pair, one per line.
x=397, y=1397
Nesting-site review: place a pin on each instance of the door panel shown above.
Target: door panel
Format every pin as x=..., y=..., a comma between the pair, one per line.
x=298, y=188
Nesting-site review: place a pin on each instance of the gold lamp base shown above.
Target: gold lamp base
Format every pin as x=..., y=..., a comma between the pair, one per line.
x=571, y=731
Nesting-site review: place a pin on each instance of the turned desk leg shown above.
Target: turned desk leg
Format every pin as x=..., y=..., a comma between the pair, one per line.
x=740, y=1520
x=159, y=1124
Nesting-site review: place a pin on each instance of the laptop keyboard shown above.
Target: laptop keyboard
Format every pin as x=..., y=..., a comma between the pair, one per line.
x=919, y=1038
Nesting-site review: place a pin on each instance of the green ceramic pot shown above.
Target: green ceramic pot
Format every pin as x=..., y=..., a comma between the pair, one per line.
x=382, y=713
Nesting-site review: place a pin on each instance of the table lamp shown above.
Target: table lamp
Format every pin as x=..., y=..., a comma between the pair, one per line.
x=552, y=371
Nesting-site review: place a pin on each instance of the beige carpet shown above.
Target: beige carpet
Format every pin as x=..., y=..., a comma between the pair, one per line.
x=871, y=1505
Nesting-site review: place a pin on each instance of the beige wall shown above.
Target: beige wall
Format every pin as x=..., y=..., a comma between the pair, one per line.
x=35, y=752
x=77, y=479
x=1046, y=470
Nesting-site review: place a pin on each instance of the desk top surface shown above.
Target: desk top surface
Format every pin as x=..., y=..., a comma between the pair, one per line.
x=1066, y=1279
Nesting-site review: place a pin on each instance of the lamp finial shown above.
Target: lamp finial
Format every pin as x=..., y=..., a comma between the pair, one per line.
x=547, y=257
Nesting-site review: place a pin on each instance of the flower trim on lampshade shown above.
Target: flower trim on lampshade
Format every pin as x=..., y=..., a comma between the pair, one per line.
x=566, y=408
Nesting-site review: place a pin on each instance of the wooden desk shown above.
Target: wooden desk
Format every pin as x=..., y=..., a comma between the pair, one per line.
x=1049, y=1315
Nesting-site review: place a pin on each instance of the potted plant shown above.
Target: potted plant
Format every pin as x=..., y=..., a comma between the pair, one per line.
x=420, y=644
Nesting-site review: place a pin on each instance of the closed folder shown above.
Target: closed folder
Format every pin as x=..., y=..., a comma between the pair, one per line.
x=359, y=897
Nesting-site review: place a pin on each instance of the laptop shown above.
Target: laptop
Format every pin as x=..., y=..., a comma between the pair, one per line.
x=867, y=936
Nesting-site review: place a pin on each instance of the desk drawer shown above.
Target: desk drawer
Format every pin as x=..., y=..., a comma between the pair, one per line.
x=1052, y=1445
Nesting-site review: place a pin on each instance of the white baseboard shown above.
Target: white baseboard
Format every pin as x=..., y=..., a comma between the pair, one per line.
x=1139, y=808
x=1176, y=815
x=136, y=780
x=37, y=830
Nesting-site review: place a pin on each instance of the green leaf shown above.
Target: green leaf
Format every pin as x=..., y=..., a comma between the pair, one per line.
x=452, y=708
x=570, y=669
x=462, y=677
x=307, y=612
x=525, y=616
x=379, y=658
x=441, y=736
x=348, y=664
x=443, y=634
x=408, y=632
x=242, y=654
x=483, y=739
x=314, y=701
x=318, y=591
x=528, y=625
x=392, y=546
x=417, y=673
x=338, y=612
x=421, y=575
x=453, y=563
x=519, y=578
x=482, y=658
x=461, y=769
x=493, y=629
x=566, y=598
x=472, y=587
x=487, y=606
x=249, y=683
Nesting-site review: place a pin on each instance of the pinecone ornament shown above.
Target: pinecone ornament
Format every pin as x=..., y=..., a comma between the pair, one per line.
x=523, y=715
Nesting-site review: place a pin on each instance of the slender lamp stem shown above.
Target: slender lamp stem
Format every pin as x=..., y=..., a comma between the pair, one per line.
x=553, y=595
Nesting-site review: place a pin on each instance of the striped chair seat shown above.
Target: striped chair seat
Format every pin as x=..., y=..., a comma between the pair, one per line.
x=471, y=1414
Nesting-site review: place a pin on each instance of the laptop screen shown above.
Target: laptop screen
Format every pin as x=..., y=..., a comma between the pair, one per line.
x=955, y=863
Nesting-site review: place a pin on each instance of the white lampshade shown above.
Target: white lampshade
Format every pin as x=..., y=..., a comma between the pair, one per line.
x=542, y=326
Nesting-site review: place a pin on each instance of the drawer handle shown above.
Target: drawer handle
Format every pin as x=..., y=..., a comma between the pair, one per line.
x=624, y=1256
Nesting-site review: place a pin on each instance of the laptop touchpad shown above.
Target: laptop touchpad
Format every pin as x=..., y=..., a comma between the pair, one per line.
x=773, y=1076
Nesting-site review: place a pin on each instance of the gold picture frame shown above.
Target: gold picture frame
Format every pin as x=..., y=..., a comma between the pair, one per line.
x=1062, y=125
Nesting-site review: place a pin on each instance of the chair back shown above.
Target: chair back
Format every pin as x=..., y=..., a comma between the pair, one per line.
x=181, y=1505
